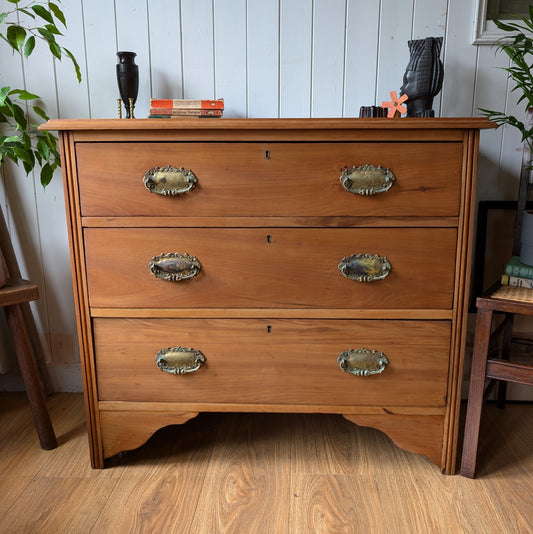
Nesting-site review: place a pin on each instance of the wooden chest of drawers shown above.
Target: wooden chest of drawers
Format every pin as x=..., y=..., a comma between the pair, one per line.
x=315, y=265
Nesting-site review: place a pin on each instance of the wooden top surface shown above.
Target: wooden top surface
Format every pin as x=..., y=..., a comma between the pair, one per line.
x=270, y=124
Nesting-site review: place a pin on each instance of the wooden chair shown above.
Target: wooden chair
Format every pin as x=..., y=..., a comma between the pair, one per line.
x=13, y=293
x=506, y=302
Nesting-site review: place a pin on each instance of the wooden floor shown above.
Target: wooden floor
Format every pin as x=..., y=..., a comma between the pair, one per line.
x=258, y=473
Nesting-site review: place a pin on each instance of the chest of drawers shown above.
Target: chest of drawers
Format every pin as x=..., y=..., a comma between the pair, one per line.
x=285, y=265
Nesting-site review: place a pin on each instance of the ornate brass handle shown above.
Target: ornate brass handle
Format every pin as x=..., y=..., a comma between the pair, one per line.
x=179, y=360
x=362, y=362
x=169, y=180
x=174, y=266
x=367, y=180
x=365, y=267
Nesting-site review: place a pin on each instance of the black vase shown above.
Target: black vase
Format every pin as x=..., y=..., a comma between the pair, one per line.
x=128, y=80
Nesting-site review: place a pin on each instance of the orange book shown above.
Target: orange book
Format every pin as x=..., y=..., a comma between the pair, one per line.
x=177, y=103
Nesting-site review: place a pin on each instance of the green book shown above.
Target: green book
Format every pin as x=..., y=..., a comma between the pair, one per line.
x=516, y=268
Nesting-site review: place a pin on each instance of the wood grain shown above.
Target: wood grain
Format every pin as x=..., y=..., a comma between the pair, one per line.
x=248, y=485
x=273, y=361
x=294, y=179
x=286, y=171
x=123, y=431
x=279, y=474
x=258, y=267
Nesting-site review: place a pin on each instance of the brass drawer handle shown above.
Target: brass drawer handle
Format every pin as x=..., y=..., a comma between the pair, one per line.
x=174, y=266
x=179, y=360
x=169, y=180
x=367, y=180
x=365, y=267
x=362, y=362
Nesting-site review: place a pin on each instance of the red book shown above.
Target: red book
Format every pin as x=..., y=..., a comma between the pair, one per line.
x=186, y=103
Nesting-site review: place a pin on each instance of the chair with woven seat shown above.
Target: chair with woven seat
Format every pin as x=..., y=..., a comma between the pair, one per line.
x=506, y=302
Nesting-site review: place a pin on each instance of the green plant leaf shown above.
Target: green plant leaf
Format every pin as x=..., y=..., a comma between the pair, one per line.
x=27, y=146
x=20, y=117
x=42, y=12
x=52, y=28
x=75, y=63
x=47, y=172
x=55, y=49
x=23, y=155
x=16, y=35
x=26, y=12
x=6, y=109
x=57, y=12
x=43, y=149
x=23, y=94
x=4, y=91
x=29, y=46
x=10, y=139
x=503, y=26
x=41, y=113
x=47, y=35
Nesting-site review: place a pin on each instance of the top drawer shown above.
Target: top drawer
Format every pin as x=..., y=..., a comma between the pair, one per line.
x=269, y=179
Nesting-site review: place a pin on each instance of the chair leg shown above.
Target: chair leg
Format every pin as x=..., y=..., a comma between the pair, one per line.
x=29, y=372
x=505, y=354
x=476, y=391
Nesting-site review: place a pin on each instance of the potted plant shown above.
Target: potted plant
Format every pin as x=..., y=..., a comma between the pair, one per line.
x=21, y=29
x=518, y=45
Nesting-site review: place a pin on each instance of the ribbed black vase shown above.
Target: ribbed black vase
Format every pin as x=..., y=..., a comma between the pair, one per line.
x=128, y=79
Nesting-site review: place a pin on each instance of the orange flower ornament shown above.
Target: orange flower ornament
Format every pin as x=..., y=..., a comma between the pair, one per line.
x=395, y=106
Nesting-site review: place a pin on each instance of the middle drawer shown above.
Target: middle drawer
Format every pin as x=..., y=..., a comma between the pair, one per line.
x=270, y=267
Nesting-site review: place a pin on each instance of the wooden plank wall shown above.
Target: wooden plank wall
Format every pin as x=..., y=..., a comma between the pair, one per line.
x=266, y=58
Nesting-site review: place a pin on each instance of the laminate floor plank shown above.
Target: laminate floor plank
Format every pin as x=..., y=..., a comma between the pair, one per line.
x=70, y=458
x=258, y=474
x=325, y=504
x=11, y=488
x=57, y=506
x=247, y=488
x=340, y=447
x=159, y=489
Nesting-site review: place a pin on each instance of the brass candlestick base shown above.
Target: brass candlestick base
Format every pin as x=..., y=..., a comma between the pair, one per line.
x=130, y=108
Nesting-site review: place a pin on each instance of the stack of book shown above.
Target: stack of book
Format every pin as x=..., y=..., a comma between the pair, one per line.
x=518, y=274
x=171, y=108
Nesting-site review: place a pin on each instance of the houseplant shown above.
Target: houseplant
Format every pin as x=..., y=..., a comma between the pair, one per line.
x=518, y=45
x=22, y=28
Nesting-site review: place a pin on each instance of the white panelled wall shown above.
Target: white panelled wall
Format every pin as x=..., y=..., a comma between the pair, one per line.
x=266, y=58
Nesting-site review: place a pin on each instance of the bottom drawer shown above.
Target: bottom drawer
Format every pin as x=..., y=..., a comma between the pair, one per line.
x=273, y=362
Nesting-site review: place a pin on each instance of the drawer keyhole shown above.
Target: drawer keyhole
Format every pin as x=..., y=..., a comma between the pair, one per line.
x=267, y=154
x=269, y=238
x=269, y=329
